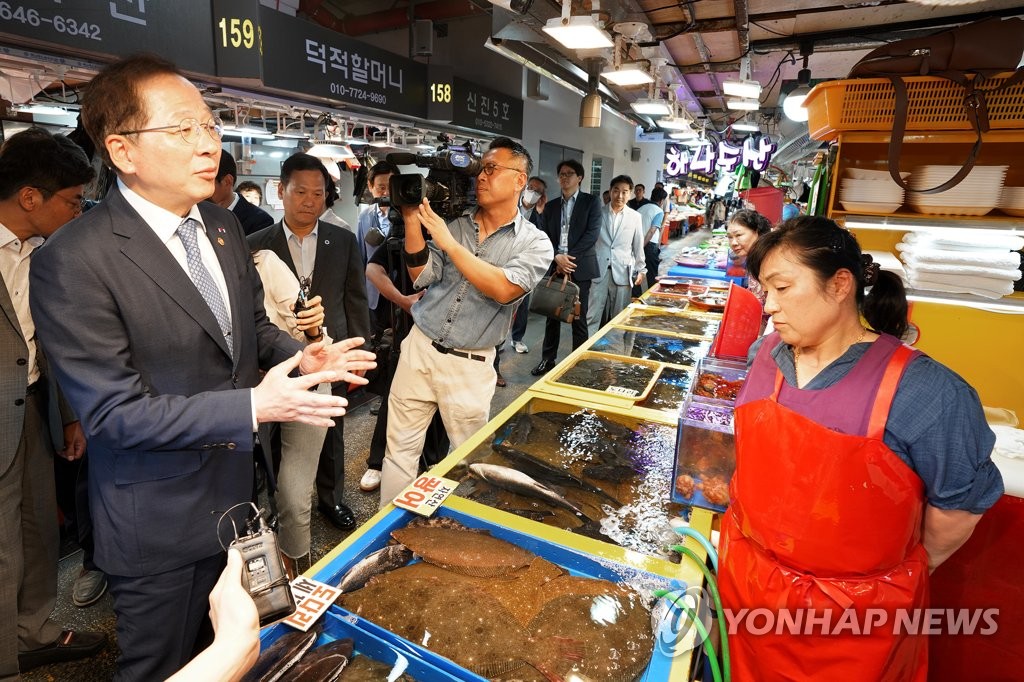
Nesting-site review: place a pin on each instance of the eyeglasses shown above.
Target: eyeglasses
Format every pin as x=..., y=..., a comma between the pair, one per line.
x=567, y=176
x=76, y=204
x=189, y=129
x=491, y=167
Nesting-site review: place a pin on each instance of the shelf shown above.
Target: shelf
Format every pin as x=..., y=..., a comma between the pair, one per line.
x=917, y=222
x=1014, y=303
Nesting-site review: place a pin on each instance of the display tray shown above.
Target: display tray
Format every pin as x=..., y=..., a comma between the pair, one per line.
x=603, y=373
x=706, y=456
x=684, y=286
x=600, y=474
x=718, y=381
x=376, y=658
x=670, y=301
x=519, y=603
x=669, y=393
x=651, y=346
x=687, y=324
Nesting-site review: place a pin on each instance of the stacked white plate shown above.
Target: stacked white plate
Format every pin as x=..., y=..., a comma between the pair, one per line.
x=1011, y=201
x=977, y=194
x=870, y=191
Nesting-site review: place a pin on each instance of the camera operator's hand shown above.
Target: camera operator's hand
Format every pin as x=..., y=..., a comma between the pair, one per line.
x=436, y=226
x=565, y=264
x=310, y=319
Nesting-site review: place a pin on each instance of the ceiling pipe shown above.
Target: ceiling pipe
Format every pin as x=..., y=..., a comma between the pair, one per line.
x=388, y=20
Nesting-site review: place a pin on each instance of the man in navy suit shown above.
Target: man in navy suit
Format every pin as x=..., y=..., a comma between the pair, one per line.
x=152, y=315
x=253, y=218
x=572, y=223
x=328, y=257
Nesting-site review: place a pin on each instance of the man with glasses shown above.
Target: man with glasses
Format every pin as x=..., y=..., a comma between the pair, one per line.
x=152, y=314
x=475, y=269
x=572, y=222
x=42, y=179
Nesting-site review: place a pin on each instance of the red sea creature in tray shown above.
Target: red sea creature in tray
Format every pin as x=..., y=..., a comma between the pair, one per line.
x=711, y=385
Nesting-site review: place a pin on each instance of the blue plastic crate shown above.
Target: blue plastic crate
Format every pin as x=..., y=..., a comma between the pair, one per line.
x=575, y=562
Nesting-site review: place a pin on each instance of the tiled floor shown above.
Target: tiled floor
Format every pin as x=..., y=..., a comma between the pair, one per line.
x=359, y=425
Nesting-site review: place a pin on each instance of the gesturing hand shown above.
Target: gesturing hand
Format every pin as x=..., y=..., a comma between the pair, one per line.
x=343, y=358
x=281, y=398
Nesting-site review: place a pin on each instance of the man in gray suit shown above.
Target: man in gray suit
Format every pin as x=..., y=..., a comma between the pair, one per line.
x=152, y=313
x=327, y=257
x=42, y=180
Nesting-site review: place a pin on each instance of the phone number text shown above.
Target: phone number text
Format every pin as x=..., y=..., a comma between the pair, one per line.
x=61, y=24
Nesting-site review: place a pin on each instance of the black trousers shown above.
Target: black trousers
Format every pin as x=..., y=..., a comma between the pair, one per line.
x=553, y=328
x=330, y=472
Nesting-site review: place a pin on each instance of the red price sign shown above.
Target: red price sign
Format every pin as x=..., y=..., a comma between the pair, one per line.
x=312, y=598
x=426, y=494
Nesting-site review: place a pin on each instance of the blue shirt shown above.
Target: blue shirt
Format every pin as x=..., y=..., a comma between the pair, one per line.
x=936, y=426
x=456, y=314
x=369, y=218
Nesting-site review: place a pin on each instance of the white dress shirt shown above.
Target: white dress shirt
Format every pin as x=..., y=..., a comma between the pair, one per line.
x=14, y=265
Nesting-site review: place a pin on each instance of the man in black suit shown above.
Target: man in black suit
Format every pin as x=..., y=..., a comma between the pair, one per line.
x=328, y=258
x=253, y=218
x=572, y=223
x=152, y=316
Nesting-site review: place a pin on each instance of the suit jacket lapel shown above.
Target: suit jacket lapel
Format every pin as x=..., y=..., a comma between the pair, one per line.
x=8, y=307
x=324, y=248
x=145, y=249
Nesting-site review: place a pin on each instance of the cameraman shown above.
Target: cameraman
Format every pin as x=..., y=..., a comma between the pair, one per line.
x=477, y=267
x=374, y=218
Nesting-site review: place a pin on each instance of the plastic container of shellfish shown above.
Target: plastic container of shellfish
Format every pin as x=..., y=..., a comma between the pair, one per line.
x=375, y=657
x=718, y=381
x=705, y=455
x=668, y=660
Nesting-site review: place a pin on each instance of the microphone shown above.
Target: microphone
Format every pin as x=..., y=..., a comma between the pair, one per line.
x=403, y=158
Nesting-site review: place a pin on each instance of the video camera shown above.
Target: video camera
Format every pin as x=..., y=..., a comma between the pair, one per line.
x=448, y=185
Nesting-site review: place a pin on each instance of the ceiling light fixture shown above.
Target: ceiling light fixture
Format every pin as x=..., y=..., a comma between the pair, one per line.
x=628, y=73
x=743, y=88
x=579, y=32
x=745, y=125
x=743, y=104
x=651, y=106
x=247, y=131
x=330, y=151
x=793, y=104
x=37, y=109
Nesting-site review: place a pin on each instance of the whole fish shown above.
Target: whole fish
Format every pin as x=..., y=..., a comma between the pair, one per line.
x=463, y=550
x=532, y=466
x=519, y=431
x=521, y=484
x=323, y=664
x=610, y=472
x=280, y=656
x=386, y=559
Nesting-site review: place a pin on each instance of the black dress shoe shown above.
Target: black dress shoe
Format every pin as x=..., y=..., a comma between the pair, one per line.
x=340, y=516
x=543, y=367
x=70, y=646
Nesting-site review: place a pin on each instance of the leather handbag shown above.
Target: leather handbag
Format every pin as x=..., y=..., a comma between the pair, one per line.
x=963, y=55
x=559, y=300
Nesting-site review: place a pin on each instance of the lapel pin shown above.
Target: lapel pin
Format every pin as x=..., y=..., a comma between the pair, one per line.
x=221, y=230
x=220, y=240
x=327, y=242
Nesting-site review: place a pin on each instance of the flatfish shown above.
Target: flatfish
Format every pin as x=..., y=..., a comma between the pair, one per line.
x=323, y=664
x=365, y=669
x=613, y=628
x=281, y=655
x=466, y=551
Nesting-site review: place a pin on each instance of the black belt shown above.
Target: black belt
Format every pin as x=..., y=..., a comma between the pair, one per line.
x=457, y=353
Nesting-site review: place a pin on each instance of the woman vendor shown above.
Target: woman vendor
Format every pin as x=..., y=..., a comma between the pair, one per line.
x=743, y=230
x=862, y=465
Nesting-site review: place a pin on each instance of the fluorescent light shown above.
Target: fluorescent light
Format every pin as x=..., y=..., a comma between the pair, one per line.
x=743, y=104
x=424, y=146
x=931, y=226
x=793, y=105
x=651, y=107
x=746, y=89
x=381, y=143
x=330, y=151
x=674, y=123
x=247, y=131
x=683, y=136
x=532, y=66
x=38, y=109
x=745, y=126
x=631, y=73
x=291, y=135
x=578, y=33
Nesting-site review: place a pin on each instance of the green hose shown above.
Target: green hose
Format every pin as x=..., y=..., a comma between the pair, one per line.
x=716, y=600
x=709, y=650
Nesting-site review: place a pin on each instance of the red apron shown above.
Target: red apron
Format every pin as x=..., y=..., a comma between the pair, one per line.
x=827, y=521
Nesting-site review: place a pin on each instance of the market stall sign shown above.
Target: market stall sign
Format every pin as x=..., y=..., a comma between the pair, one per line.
x=486, y=110
x=755, y=153
x=312, y=599
x=440, y=93
x=238, y=40
x=116, y=28
x=302, y=57
x=426, y=494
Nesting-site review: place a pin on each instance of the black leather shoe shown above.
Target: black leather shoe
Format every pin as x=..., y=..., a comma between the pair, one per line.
x=543, y=367
x=340, y=516
x=70, y=646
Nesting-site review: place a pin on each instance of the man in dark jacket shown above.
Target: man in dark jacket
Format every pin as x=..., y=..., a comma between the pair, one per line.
x=253, y=218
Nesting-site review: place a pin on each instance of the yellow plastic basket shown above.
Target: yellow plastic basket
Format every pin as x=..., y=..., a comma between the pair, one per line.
x=867, y=104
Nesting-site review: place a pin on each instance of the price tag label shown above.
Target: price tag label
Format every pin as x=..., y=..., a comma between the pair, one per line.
x=312, y=598
x=622, y=390
x=426, y=494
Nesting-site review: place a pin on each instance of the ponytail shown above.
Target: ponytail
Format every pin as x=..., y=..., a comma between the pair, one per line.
x=885, y=306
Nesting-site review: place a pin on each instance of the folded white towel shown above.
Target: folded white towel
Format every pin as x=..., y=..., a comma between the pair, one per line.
x=956, y=287
x=1009, y=441
x=1006, y=274
x=987, y=283
x=987, y=259
x=957, y=240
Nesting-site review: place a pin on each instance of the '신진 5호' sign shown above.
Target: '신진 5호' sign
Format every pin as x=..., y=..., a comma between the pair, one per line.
x=301, y=57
